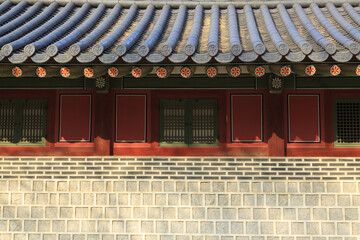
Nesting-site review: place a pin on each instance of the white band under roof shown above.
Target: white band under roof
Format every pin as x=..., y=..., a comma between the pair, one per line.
x=213, y=40
x=234, y=37
x=353, y=47
x=193, y=39
x=136, y=33
x=156, y=32
x=258, y=45
x=304, y=45
x=174, y=36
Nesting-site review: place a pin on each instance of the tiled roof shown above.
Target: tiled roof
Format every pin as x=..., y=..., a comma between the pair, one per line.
x=86, y=33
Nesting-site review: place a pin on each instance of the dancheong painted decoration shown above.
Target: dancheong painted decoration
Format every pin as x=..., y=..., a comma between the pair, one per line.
x=235, y=71
x=186, y=72
x=17, y=72
x=211, y=72
x=276, y=83
x=113, y=72
x=335, y=70
x=88, y=72
x=65, y=72
x=41, y=72
x=285, y=71
x=100, y=82
x=310, y=70
x=137, y=72
x=162, y=72
x=259, y=71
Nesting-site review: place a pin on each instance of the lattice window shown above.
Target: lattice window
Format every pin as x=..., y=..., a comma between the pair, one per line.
x=347, y=122
x=173, y=121
x=188, y=122
x=204, y=122
x=7, y=121
x=22, y=121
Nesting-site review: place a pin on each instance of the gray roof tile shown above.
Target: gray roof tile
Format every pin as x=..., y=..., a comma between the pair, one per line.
x=224, y=33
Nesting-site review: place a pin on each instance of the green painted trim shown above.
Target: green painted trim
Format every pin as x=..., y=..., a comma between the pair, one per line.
x=261, y=83
x=165, y=144
x=289, y=82
x=42, y=83
x=222, y=82
x=328, y=82
x=336, y=139
x=89, y=83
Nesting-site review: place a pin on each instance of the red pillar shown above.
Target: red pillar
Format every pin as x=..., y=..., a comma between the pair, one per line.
x=275, y=125
x=102, y=123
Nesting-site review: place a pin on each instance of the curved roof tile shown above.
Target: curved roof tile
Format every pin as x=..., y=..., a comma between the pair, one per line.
x=12, y=12
x=4, y=6
x=152, y=39
x=137, y=32
x=192, y=41
x=217, y=32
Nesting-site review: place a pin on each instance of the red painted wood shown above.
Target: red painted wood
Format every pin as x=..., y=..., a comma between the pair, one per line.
x=130, y=118
x=246, y=118
x=303, y=118
x=75, y=118
x=103, y=119
x=221, y=150
x=275, y=125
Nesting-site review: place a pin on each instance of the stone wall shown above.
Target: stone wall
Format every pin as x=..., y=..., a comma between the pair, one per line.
x=179, y=199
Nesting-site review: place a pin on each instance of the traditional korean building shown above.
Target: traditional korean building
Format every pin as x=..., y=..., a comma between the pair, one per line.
x=189, y=120
x=171, y=78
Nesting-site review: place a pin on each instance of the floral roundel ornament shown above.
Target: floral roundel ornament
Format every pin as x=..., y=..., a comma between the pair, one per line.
x=235, y=71
x=65, y=72
x=88, y=72
x=185, y=72
x=100, y=82
x=211, y=72
x=285, y=71
x=259, y=71
x=161, y=72
x=276, y=83
x=357, y=71
x=310, y=70
x=136, y=72
x=113, y=72
x=335, y=70
x=17, y=72
x=41, y=72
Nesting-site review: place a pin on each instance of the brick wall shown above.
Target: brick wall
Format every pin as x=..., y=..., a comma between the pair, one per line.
x=179, y=199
